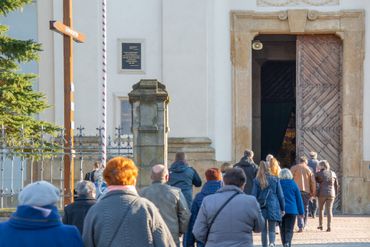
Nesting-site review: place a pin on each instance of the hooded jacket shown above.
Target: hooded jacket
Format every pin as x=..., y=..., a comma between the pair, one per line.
x=209, y=188
x=184, y=177
x=275, y=202
x=35, y=226
x=250, y=169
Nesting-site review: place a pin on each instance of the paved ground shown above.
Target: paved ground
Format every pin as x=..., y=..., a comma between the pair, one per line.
x=347, y=231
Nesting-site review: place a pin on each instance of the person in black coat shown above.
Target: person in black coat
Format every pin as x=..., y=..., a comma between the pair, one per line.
x=90, y=176
x=250, y=169
x=74, y=213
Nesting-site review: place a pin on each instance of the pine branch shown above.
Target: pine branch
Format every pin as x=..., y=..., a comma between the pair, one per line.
x=7, y=6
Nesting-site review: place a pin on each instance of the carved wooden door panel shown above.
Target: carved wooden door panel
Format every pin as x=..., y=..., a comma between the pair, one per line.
x=318, y=97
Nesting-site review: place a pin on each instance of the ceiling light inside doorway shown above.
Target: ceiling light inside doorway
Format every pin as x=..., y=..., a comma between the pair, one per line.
x=257, y=45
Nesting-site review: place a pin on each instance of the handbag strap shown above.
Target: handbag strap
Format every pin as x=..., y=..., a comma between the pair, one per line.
x=217, y=213
x=121, y=222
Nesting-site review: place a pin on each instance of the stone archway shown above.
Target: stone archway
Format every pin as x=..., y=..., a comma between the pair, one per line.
x=349, y=26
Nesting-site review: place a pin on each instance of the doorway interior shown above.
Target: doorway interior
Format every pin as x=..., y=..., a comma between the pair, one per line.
x=274, y=98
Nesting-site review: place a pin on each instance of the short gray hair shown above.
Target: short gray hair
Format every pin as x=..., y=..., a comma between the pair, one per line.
x=324, y=164
x=285, y=174
x=85, y=188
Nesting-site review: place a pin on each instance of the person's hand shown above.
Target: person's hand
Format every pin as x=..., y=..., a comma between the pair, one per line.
x=282, y=213
x=301, y=216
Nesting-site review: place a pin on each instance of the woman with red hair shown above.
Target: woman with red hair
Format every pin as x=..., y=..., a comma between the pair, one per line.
x=122, y=217
x=214, y=182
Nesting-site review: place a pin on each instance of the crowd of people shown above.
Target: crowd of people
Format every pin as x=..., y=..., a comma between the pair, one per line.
x=234, y=202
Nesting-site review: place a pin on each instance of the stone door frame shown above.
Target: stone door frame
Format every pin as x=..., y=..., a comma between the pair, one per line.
x=349, y=25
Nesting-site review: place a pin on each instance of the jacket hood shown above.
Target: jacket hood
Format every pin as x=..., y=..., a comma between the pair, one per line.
x=179, y=166
x=230, y=188
x=245, y=161
x=210, y=187
x=32, y=217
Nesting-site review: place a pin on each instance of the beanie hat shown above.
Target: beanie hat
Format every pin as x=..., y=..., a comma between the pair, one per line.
x=40, y=193
x=213, y=174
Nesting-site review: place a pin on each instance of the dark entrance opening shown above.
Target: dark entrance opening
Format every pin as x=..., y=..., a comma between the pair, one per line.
x=274, y=94
x=278, y=110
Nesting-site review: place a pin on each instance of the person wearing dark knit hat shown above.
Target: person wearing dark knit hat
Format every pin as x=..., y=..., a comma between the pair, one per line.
x=214, y=183
x=36, y=221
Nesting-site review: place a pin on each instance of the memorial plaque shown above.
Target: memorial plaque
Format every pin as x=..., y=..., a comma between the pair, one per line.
x=131, y=56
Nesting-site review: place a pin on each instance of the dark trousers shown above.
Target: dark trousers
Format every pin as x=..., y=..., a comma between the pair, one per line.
x=312, y=206
x=286, y=229
x=305, y=198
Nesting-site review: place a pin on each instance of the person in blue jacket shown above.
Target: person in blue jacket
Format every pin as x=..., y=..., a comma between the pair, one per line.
x=214, y=183
x=37, y=222
x=182, y=176
x=293, y=206
x=268, y=192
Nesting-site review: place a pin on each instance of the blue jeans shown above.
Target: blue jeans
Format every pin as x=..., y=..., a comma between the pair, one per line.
x=270, y=224
x=306, y=199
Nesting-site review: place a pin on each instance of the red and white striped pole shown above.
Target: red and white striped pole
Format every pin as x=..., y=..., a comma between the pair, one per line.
x=104, y=84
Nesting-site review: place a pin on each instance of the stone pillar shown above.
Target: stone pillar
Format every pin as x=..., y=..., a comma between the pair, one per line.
x=149, y=100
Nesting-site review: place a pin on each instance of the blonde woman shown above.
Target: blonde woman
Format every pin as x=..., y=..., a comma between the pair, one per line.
x=274, y=167
x=267, y=190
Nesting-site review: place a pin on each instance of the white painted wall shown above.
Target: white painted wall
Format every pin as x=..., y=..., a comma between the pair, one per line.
x=187, y=47
x=185, y=66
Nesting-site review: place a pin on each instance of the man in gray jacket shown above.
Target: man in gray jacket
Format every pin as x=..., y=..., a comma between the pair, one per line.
x=234, y=224
x=169, y=200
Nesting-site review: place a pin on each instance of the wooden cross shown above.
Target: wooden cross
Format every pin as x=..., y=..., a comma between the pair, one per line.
x=68, y=36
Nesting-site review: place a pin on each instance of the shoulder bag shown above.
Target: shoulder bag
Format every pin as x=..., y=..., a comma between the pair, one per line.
x=121, y=222
x=217, y=213
x=263, y=200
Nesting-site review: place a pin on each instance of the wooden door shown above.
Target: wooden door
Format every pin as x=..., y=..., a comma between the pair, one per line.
x=318, y=97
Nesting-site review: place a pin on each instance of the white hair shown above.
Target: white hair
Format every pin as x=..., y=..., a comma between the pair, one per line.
x=285, y=174
x=269, y=157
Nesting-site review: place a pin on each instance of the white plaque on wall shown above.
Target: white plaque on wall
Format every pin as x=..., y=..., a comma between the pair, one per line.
x=284, y=3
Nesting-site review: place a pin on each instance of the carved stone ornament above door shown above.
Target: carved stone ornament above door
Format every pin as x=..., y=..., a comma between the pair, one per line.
x=284, y=3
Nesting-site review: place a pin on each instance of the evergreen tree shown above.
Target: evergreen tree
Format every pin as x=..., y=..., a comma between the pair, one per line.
x=19, y=103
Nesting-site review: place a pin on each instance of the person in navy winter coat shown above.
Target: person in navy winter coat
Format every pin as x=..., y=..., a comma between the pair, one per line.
x=184, y=177
x=247, y=164
x=37, y=222
x=267, y=190
x=214, y=183
x=293, y=206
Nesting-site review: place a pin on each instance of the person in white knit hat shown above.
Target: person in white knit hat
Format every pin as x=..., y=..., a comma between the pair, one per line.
x=37, y=222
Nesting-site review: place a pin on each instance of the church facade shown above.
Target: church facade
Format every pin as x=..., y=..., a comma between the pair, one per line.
x=277, y=76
